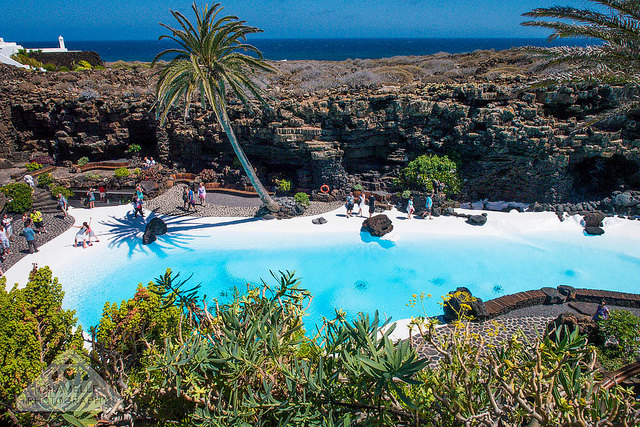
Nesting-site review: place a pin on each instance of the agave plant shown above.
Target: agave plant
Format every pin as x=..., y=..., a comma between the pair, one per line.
x=209, y=62
x=615, y=60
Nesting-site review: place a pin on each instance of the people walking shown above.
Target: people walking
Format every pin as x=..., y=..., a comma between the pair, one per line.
x=428, y=205
x=63, y=205
x=4, y=241
x=361, y=201
x=202, y=193
x=349, y=205
x=30, y=237
x=372, y=205
x=139, y=192
x=192, y=200
x=7, y=223
x=137, y=207
x=410, y=208
x=38, y=221
x=91, y=198
x=185, y=198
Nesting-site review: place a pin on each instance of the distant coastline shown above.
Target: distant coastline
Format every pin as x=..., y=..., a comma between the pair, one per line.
x=318, y=49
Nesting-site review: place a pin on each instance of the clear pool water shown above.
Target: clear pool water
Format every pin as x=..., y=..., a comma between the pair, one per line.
x=356, y=273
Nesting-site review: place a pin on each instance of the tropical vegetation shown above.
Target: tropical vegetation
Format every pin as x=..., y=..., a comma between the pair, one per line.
x=19, y=197
x=248, y=359
x=209, y=63
x=616, y=23
x=420, y=174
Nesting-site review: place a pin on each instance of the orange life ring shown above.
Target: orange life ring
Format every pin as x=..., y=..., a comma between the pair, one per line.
x=324, y=188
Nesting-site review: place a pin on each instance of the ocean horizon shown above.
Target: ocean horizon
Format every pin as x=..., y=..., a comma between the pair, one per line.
x=332, y=49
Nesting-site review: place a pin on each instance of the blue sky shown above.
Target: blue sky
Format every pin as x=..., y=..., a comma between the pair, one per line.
x=38, y=20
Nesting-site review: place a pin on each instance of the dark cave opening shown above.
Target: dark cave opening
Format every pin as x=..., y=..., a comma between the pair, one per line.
x=599, y=176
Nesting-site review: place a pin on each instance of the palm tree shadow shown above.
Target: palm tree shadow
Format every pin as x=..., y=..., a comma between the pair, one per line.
x=130, y=229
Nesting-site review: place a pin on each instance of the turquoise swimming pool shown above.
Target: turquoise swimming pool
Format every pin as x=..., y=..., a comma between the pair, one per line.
x=355, y=272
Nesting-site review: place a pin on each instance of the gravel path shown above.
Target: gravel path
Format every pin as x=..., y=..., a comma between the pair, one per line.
x=222, y=205
x=55, y=225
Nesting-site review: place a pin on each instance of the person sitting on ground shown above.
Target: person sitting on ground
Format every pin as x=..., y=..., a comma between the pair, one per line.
x=410, y=208
x=428, y=205
x=103, y=193
x=152, y=162
x=146, y=163
x=81, y=234
x=372, y=205
x=361, y=201
x=38, y=221
x=7, y=223
x=63, y=204
x=202, y=193
x=30, y=237
x=29, y=180
x=349, y=205
x=602, y=312
x=4, y=241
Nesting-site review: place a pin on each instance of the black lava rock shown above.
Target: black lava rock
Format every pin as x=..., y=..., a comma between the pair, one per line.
x=377, y=225
x=452, y=306
x=477, y=219
x=594, y=231
x=553, y=296
x=319, y=221
x=155, y=227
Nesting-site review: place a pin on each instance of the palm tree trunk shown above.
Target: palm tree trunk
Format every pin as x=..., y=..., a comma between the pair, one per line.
x=223, y=118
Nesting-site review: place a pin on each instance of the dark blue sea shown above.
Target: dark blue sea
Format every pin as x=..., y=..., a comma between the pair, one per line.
x=320, y=49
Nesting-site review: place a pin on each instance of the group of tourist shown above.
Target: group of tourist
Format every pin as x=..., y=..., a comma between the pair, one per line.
x=428, y=206
x=360, y=202
x=189, y=197
x=148, y=163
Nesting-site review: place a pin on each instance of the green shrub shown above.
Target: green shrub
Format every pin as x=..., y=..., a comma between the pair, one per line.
x=406, y=194
x=624, y=326
x=302, y=198
x=63, y=68
x=357, y=187
x=121, y=173
x=83, y=161
x=19, y=198
x=56, y=189
x=33, y=166
x=99, y=67
x=284, y=185
x=82, y=65
x=50, y=67
x=134, y=148
x=93, y=176
x=421, y=172
x=44, y=179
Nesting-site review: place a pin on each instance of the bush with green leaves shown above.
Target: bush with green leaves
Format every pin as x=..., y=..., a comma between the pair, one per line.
x=56, y=189
x=122, y=173
x=83, y=161
x=302, y=199
x=406, y=194
x=34, y=330
x=284, y=185
x=624, y=327
x=44, y=179
x=82, y=65
x=33, y=166
x=357, y=187
x=19, y=198
x=421, y=172
x=134, y=148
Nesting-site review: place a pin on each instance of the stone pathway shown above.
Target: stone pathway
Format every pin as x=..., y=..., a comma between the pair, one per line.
x=507, y=327
x=222, y=205
x=55, y=225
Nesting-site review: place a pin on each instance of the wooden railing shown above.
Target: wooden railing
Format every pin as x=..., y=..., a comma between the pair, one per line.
x=102, y=165
x=20, y=175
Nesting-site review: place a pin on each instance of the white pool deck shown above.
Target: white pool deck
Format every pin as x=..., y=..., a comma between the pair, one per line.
x=59, y=251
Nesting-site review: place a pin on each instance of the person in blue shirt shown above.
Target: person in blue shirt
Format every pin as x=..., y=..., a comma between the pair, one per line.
x=428, y=204
x=30, y=236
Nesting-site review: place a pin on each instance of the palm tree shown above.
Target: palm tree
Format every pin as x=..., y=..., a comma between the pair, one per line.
x=616, y=60
x=209, y=62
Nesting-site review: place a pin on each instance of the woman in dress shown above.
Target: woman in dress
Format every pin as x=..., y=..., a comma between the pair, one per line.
x=91, y=198
x=7, y=223
x=410, y=208
x=202, y=193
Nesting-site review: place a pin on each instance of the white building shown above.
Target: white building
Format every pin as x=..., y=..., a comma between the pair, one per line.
x=10, y=48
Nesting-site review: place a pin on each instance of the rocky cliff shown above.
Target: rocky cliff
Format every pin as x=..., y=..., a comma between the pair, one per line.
x=347, y=122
